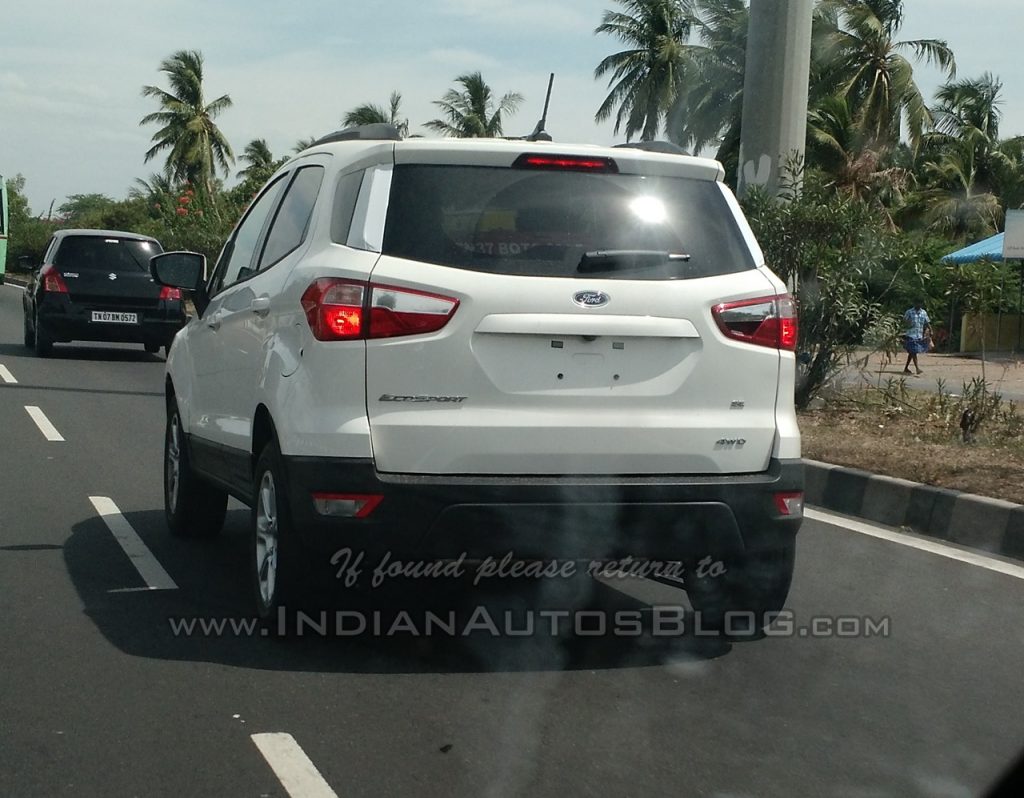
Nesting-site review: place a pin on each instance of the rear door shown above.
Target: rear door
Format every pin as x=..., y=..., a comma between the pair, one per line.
x=584, y=339
x=108, y=273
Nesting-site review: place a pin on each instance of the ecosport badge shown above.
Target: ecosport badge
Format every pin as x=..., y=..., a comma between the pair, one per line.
x=591, y=299
x=387, y=397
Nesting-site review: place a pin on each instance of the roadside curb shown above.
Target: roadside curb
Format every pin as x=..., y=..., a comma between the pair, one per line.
x=989, y=525
x=15, y=279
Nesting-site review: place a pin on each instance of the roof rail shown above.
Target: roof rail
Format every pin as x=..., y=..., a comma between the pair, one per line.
x=379, y=131
x=655, y=146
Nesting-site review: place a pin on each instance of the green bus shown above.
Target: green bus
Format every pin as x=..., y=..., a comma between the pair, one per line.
x=3, y=228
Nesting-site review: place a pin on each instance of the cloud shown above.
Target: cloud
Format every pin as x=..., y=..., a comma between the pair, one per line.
x=12, y=82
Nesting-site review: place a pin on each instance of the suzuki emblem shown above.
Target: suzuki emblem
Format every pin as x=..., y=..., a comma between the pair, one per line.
x=591, y=299
x=112, y=276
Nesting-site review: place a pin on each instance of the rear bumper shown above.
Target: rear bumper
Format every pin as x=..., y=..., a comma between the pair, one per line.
x=580, y=518
x=64, y=320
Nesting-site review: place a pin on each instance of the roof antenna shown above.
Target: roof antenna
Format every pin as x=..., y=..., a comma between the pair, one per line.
x=539, y=133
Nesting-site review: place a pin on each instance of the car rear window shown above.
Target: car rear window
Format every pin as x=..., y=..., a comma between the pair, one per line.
x=544, y=223
x=110, y=254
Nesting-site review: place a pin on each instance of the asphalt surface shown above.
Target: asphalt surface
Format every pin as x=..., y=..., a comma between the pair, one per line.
x=98, y=696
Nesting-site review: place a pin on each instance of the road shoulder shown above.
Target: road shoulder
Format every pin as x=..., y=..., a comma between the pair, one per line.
x=989, y=525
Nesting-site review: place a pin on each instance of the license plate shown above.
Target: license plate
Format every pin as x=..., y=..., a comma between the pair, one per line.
x=112, y=317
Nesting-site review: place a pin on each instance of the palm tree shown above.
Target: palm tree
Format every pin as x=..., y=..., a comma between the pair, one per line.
x=854, y=166
x=196, y=145
x=969, y=112
x=260, y=161
x=646, y=78
x=304, y=144
x=370, y=114
x=867, y=66
x=968, y=175
x=953, y=204
x=470, y=113
x=711, y=110
x=158, y=187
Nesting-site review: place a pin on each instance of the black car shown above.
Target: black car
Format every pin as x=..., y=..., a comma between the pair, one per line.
x=94, y=285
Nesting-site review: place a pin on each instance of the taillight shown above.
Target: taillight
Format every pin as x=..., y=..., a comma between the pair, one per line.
x=337, y=310
x=53, y=283
x=570, y=163
x=402, y=311
x=334, y=309
x=765, y=321
x=166, y=292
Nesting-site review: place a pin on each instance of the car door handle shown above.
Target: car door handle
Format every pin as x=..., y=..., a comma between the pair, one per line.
x=260, y=305
x=213, y=321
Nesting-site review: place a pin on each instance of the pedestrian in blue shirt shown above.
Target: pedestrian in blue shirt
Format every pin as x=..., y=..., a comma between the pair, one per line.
x=918, y=335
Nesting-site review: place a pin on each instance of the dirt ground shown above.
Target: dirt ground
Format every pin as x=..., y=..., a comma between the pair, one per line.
x=913, y=443
x=895, y=449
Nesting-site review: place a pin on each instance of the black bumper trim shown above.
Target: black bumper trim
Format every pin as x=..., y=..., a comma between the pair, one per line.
x=429, y=516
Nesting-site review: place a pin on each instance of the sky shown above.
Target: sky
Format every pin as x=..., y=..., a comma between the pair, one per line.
x=71, y=71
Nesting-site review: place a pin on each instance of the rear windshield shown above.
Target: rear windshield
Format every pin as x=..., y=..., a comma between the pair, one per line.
x=562, y=224
x=87, y=253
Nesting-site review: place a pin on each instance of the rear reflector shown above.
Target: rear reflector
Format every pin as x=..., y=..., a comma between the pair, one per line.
x=570, y=163
x=53, y=283
x=346, y=505
x=169, y=293
x=336, y=310
x=765, y=321
x=790, y=504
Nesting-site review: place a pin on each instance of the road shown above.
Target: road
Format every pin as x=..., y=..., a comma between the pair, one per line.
x=98, y=696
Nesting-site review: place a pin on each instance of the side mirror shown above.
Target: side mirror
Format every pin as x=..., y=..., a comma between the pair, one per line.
x=184, y=270
x=24, y=263
x=178, y=269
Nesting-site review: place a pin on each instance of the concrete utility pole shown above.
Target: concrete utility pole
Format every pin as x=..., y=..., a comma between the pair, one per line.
x=774, y=90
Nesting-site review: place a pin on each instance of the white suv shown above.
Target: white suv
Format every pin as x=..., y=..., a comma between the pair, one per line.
x=474, y=347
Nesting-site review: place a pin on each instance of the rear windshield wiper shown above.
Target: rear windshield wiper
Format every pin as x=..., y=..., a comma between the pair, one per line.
x=605, y=260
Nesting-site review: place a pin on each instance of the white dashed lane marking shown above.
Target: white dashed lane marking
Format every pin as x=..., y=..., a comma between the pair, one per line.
x=49, y=431
x=149, y=568
x=6, y=376
x=296, y=772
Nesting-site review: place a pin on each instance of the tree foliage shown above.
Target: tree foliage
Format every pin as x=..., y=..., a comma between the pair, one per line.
x=27, y=234
x=370, y=114
x=196, y=147
x=848, y=266
x=472, y=111
x=648, y=76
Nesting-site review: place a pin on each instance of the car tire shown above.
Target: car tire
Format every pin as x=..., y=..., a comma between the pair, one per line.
x=745, y=598
x=194, y=508
x=273, y=558
x=41, y=342
x=30, y=339
x=151, y=349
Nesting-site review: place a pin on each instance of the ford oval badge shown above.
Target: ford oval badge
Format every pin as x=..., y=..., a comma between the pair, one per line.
x=591, y=299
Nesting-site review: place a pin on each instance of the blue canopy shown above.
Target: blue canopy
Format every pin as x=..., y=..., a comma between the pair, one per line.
x=989, y=249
